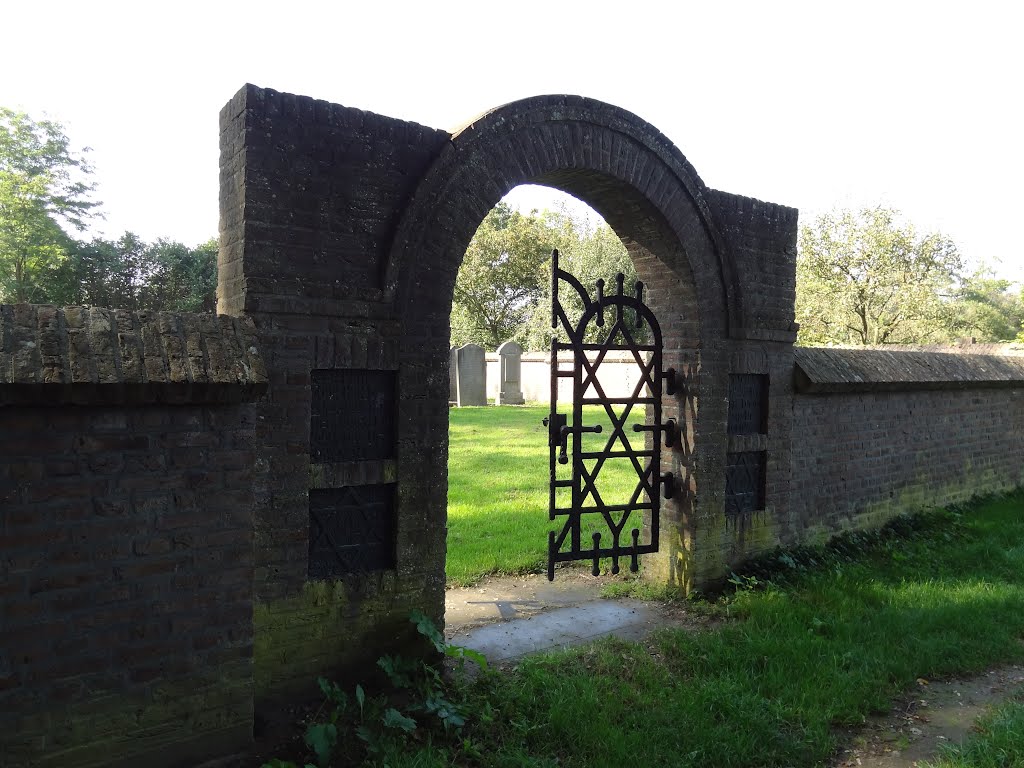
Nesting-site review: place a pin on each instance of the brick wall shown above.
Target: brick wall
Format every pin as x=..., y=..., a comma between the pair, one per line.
x=876, y=433
x=311, y=193
x=201, y=514
x=126, y=628
x=762, y=237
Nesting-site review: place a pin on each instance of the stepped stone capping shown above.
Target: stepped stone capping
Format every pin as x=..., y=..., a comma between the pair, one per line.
x=89, y=355
x=826, y=369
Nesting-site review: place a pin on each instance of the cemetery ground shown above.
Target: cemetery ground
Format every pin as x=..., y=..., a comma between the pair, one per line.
x=809, y=657
x=498, y=487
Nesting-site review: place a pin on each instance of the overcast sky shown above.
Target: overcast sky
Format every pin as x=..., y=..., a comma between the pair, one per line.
x=917, y=106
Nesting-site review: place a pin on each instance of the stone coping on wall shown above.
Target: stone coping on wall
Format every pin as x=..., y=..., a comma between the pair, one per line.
x=611, y=356
x=963, y=347
x=88, y=355
x=833, y=369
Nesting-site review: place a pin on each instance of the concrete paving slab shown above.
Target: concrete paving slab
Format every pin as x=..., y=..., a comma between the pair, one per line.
x=559, y=628
x=513, y=597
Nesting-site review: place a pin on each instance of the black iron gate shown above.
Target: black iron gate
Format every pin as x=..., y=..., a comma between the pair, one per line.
x=595, y=510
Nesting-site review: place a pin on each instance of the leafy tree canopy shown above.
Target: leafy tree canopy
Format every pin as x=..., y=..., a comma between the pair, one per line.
x=987, y=308
x=502, y=276
x=865, y=278
x=588, y=256
x=503, y=288
x=44, y=188
x=129, y=273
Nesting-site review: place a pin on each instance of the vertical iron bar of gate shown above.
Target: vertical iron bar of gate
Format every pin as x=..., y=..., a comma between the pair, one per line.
x=553, y=423
x=552, y=447
x=577, y=442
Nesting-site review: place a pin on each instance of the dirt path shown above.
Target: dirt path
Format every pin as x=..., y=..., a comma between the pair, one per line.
x=503, y=598
x=936, y=713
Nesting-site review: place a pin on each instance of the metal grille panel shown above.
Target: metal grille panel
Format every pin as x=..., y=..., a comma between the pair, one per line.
x=351, y=415
x=745, y=482
x=351, y=530
x=748, y=404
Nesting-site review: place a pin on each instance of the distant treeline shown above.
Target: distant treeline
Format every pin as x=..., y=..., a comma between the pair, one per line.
x=128, y=273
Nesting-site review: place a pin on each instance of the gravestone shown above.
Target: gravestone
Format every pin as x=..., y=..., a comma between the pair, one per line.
x=470, y=376
x=452, y=364
x=510, y=390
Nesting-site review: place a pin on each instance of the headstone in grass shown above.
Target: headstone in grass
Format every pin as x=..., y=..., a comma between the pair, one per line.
x=453, y=357
x=470, y=376
x=510, y=391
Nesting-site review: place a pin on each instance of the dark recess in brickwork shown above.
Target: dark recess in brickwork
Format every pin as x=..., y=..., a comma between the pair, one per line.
x=352, y=415
x=744, y=482
x=351, y=530
x=748, y=404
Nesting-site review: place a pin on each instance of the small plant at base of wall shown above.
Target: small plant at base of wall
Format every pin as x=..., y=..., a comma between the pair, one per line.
x=383, y=724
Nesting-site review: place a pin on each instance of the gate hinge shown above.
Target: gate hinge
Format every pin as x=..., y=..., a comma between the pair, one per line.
x=670, y=381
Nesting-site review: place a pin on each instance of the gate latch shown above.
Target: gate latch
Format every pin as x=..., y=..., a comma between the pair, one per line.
x=559, y=431
x=554, y=423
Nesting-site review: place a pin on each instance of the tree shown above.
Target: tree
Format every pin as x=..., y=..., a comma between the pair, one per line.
x=129, y=273
x=501, y=277
x=863, y=278
x=182, y=279
x=986, y=308
x=588, y=256
x=43, y=188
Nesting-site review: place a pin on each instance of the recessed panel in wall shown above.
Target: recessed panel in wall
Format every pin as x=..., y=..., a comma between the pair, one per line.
x=748, y=404
x=352, y=415
x=351, y=530
x=745, y=482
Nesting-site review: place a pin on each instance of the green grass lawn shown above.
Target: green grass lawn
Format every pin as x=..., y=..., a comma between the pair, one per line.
x=826, y=637
x=834, y=637
x=810, y=644
x=498, y=487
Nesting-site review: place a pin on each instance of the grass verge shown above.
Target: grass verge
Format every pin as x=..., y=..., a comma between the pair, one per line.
x=822, y=638
x=999, y=742
x=826, y=638
x=818, y=645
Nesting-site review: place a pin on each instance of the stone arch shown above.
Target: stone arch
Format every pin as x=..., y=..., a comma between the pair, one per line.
x=651, y=197
x=618, y=163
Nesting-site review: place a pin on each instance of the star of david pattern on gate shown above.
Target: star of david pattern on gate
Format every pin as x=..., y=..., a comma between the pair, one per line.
x=588, y=502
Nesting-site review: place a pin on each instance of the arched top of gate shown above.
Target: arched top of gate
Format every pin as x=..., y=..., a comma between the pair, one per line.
x=582, y=146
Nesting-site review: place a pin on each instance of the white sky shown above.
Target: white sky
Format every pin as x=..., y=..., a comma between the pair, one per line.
x=917, y=106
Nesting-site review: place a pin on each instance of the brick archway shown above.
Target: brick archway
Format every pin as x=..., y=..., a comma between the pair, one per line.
x=616, y=162
x=342, y=233
x=651, y=197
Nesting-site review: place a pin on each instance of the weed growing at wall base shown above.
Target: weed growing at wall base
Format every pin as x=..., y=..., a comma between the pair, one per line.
x=385, y=724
